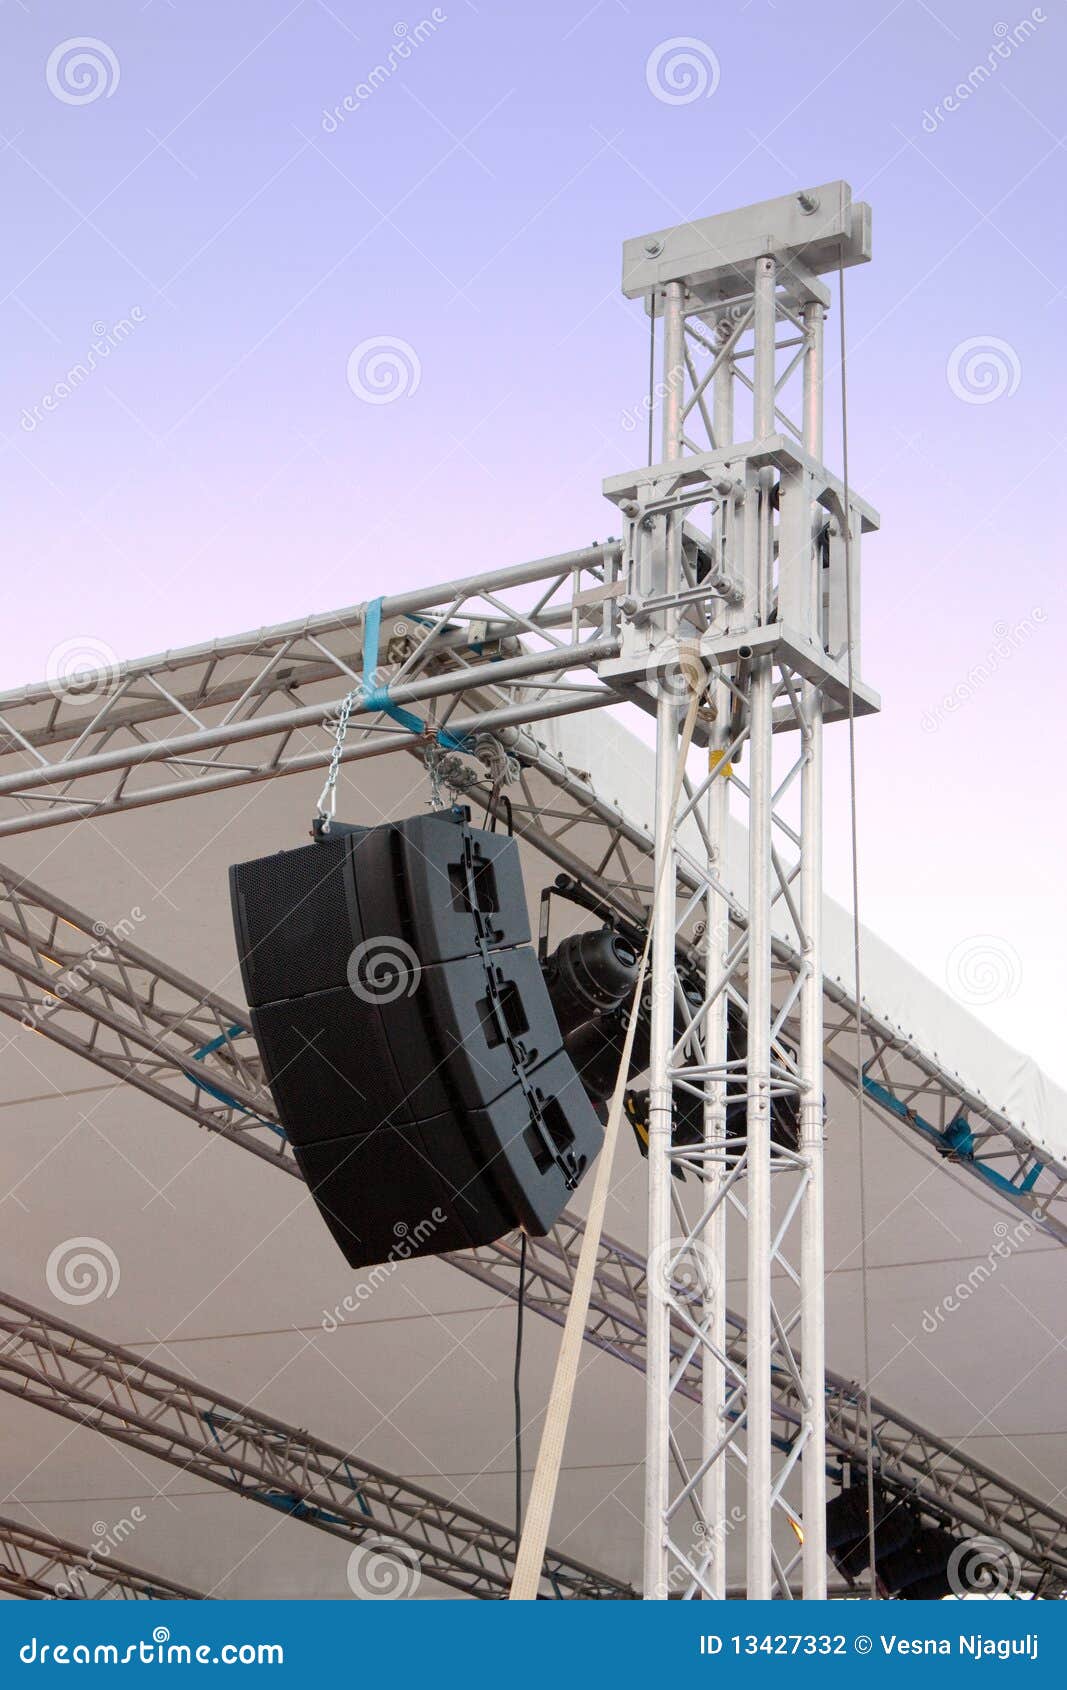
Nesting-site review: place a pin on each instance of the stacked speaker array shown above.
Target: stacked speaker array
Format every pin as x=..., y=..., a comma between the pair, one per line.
x=408, y=1037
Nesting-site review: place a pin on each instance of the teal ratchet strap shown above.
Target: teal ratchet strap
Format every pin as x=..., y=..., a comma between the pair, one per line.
x=220, y=1096
x=377, y=697
x=374, y=698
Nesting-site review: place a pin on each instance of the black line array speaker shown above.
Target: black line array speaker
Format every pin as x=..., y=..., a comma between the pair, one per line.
x=408, y=1037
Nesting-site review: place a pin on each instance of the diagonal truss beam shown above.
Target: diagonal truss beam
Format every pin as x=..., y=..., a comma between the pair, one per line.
x=562, y=813
x=39, y=1567
x=89, y=988
x=139, y=717
x=57, y=1366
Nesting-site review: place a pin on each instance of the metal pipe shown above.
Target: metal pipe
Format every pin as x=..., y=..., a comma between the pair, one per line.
x=758, y=1447
x=812, y=1226
x=400, y=604
x=716, y=948
x=658, y=1363
x=512, y=715
x=529, y=665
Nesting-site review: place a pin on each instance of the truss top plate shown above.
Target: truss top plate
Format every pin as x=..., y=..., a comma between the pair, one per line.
x=710, y=255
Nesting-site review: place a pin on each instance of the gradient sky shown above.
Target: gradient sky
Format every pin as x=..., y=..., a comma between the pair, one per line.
x=216, y=471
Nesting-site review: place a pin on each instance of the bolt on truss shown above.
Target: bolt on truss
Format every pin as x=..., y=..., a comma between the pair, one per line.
x=87, y=987
x=115, y=1391
x=757, y=619
x=39, y=1567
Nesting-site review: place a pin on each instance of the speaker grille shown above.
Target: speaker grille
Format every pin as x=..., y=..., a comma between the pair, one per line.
x=296, y=917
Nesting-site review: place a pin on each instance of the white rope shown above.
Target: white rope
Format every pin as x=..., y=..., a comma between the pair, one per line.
x=531, y=1554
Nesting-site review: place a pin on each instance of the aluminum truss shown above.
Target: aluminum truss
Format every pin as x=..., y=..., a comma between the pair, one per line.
x=115, y=1391
x=101, y=997
x=483, y=655
x=765, y=612
x=756, y=603
x=39, y=1567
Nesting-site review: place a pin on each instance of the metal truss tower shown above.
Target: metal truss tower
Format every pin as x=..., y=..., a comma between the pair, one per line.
x=737, y=577
x=740, y=578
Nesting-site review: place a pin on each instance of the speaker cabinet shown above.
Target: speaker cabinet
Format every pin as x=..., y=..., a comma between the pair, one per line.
x=408, y=1037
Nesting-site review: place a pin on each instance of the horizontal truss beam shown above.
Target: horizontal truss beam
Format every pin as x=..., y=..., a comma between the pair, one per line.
x=99, y=996
x=460, y=629
x=115, y=1391
x=39, y=1567
x=483, y=651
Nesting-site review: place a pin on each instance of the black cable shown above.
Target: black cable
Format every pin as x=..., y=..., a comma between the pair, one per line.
x=518, y=1387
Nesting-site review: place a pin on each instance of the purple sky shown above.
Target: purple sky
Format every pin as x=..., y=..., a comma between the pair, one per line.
x=216, y=470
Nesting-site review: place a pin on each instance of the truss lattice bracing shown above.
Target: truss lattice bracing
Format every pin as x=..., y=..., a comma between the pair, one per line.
x=111, y=1390
x=758, y=622
x=739, y=565
x=479, y=655
x=560, y=811
x=140, y=1020
x=39, y=1567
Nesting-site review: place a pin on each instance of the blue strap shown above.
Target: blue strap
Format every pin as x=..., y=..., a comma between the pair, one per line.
x=216, y=1092
x=377, y=697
